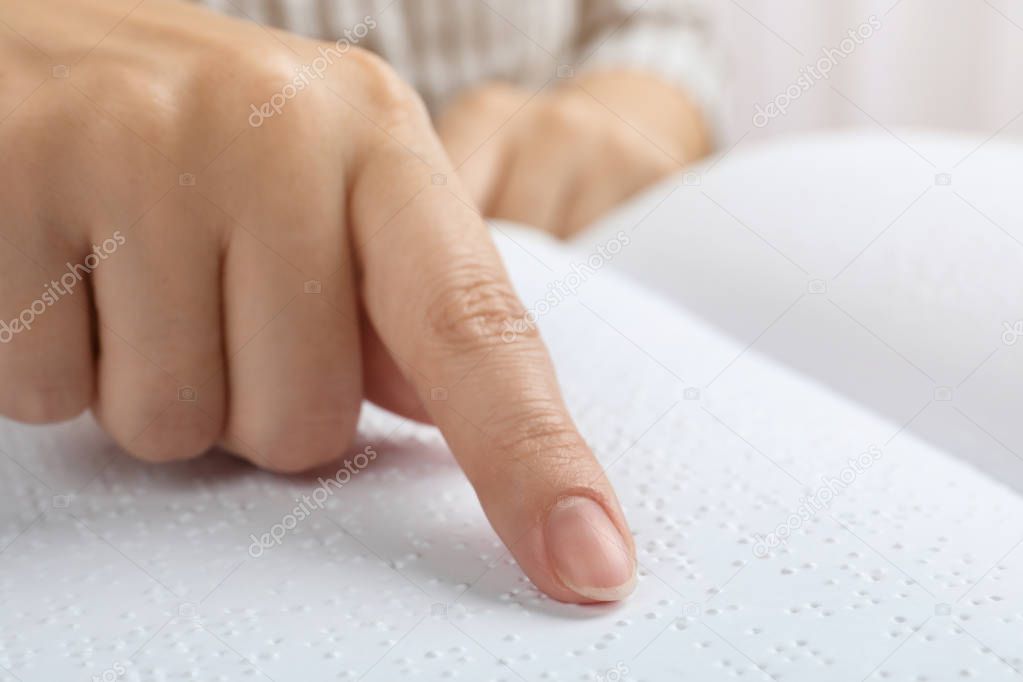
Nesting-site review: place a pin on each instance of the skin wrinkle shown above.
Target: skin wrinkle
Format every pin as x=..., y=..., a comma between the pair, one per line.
x=267, y=232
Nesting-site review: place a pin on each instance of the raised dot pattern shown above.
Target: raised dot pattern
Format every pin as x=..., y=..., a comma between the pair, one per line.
x=120, y=570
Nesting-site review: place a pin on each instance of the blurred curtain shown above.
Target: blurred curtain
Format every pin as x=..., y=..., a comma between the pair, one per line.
x=930, y=64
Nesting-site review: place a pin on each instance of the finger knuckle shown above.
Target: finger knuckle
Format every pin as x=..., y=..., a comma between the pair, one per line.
x=491, y=98
x=538, y=434
x=474, y=309
x=293, y=453
x=644, y=162
x=261, y=76
x=566, y=117
x=301, y=444
x=45, y=403
x=658, y=166
x=225, y=62
x=274, y=81
x=181, y=432
x=392, y=102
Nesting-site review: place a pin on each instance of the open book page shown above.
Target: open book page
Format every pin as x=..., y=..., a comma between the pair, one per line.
x=893, y=274
x=783, y=531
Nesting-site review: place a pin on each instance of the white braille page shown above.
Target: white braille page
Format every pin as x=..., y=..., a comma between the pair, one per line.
x=783, y=532
x=889, y=267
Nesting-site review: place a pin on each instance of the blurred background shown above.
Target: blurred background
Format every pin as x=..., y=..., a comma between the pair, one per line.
x=928, y=64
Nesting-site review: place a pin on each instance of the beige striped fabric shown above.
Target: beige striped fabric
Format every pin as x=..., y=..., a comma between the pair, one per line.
x=445, y=46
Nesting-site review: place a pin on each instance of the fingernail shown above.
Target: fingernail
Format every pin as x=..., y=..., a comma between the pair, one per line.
x=587, y=551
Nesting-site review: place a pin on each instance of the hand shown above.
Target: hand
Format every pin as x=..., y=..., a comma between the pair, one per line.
x=204, y=253
x=562, y=158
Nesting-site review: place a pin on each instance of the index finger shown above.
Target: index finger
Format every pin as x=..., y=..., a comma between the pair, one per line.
x=438, y=296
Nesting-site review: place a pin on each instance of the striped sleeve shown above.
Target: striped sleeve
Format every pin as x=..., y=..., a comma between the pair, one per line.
x=672, y=38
